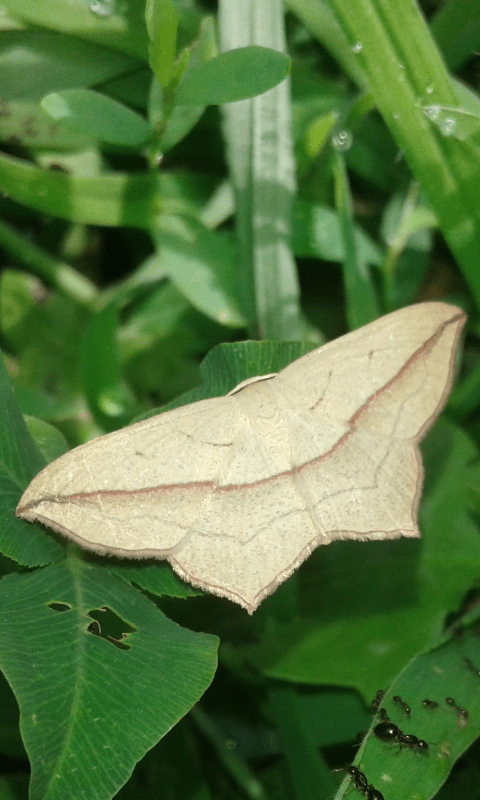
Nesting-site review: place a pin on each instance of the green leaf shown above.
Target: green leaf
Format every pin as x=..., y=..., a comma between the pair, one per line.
x=260, y=158
x=230, y=363
x=181, y=121
x=54, y=272
x=319, y=19
x=20, y=460
x=97, y=116
x=407, y=230
x=317, y=233
x=399, y=39
x=456, y=28
x=34, y=62
x=162, y=27
x=360, y=296
x=319, y=133
x=172, y=122
x=43, y=330
x=112, y=199
x=51, y=443
x=309, y=772
x=155, y=578
x=94, y=696
x=234, y=75
x=110, y=399
x=201, y=264
x=115, y=26
x=461, y=121
x=434, y=675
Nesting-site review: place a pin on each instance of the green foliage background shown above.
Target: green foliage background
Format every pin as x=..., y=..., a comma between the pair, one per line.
x=178, y=185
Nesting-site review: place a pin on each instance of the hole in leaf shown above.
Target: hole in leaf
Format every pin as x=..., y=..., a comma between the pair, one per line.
x=109, y=626
x=60, y=607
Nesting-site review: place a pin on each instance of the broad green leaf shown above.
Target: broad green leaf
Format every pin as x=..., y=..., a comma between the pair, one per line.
x=97, y=116
x=448, y=670
x=94, y=696
x=11, y=744
x=160, y=313
x=232, y=76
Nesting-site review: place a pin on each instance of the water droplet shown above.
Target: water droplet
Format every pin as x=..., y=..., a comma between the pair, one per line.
x=342, y=140
x=448, y=125
x=432, y=112
x=102, y=8
x=429, y=89
x=357, y=48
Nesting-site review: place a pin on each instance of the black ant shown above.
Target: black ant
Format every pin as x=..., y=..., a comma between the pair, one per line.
x=359, y=778
x=409, y=740
x=377, y=700
x=404, y=705
x=386, y=731
x=429, y=704
x=389, y=732
x=461, y=712
x=363, y=785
